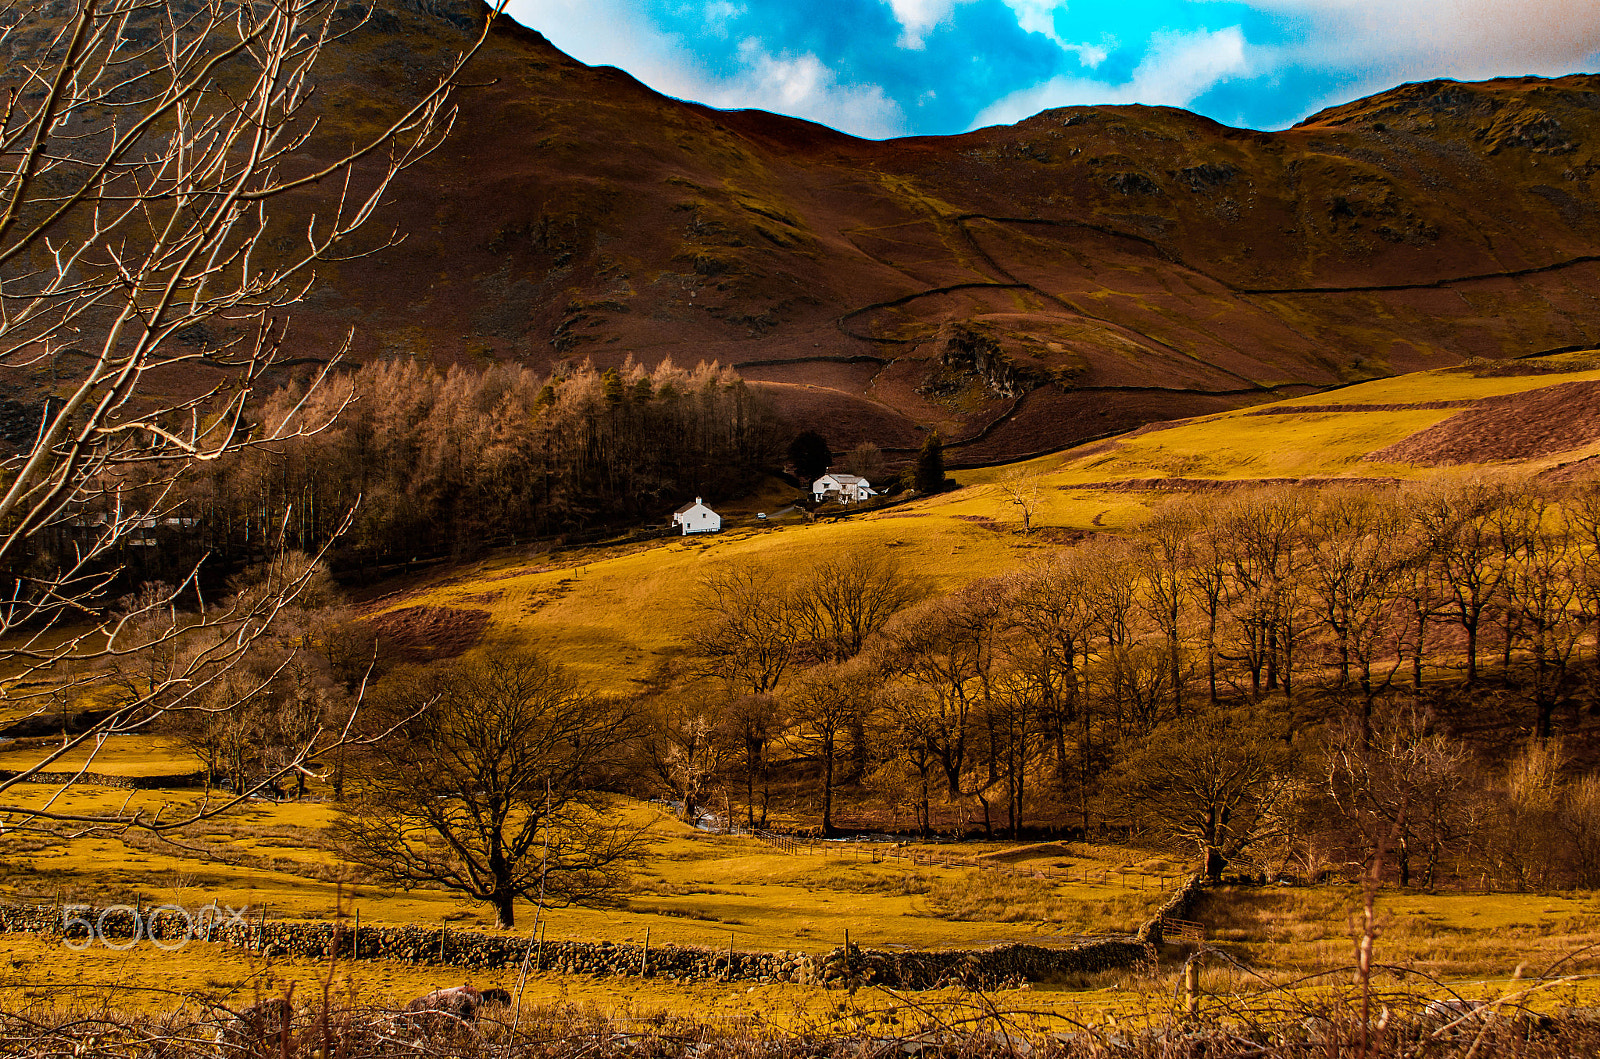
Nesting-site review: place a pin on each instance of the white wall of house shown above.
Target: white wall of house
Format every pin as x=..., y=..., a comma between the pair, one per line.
x=846, y=488
x=697, y=518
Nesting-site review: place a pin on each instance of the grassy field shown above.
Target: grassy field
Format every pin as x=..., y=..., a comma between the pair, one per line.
x=692, y=888
x=613, y=614
x=143, y=755
x=712, y=890
x=1245, y=444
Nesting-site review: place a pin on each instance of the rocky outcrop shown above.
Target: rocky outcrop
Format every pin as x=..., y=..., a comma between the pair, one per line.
x=969, y=355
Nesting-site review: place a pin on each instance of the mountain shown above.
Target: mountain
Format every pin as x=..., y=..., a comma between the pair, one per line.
x=1020, y=288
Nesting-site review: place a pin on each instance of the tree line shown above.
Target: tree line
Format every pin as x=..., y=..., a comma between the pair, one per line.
x=1259, y=675
x=398, y=460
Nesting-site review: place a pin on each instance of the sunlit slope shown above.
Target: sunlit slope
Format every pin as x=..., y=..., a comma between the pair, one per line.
x=1344, y=433
x=613, y=616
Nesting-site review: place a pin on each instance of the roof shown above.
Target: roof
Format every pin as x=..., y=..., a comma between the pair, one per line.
x=844, y=479
x=690, y=506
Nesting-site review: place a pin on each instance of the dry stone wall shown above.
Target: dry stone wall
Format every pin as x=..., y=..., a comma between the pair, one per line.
x=100, y=779
x=974, y=968
x=1177, y=907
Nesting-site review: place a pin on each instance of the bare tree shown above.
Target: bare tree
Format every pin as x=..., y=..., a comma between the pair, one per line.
x=1403, y=787
x=685, y=745
x=1543, y=592
x=1582, y=510
x=145, y=148
x=848, y=597
x=752, y=721
x=947, y=651
x=485, y=786
x=907, y=728
x=825, y=703
x=1357, y=548
x=1167, y=552
x=866, y=461
x=1050, y=624
x=1262, y=548
x=1457, y=521
x=748, y=628
x=1020, y=486
x=1217, y=781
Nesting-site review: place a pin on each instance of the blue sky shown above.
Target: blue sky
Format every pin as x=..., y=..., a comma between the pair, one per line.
x=880, y=68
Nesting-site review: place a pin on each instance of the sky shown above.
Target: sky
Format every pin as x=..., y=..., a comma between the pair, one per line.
x=883, y=68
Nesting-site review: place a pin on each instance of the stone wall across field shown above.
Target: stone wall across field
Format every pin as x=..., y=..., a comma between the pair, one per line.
x=1177, y=907
x=100, y=779
x=973, y=968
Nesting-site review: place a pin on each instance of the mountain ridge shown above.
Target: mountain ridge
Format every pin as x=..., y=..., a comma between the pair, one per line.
x=1019, y=288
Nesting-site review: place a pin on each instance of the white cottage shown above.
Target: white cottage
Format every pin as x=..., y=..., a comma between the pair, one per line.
x=697, y=518
x=845, y=488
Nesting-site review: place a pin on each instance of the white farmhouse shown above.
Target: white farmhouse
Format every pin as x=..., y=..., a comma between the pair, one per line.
x=845, y=488
x=697, y=518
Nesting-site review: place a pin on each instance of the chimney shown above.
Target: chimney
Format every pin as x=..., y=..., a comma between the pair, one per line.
x=698, y=500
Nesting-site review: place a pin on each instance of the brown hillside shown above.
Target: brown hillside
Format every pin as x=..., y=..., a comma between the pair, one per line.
x=1022, y=288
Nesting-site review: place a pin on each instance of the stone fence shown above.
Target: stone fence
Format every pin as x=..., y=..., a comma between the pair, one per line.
x=100, y=779
x=852, y=965
x=1177, y=907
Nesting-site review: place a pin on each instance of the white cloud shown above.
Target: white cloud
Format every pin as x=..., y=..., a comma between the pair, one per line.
x=803, y=85
x=1039, y=16
x=1469, y=39
x=918, y=17
x=718, y=14
x=1177, y=69
x=608, y=32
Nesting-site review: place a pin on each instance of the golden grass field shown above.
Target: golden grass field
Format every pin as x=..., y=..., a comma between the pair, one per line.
x=611, y=615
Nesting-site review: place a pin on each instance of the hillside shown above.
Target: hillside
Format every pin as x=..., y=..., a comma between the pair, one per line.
x=1021, y=288
x=613, y=614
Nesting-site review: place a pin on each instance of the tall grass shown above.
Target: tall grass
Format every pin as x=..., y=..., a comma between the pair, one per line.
x=996, y=897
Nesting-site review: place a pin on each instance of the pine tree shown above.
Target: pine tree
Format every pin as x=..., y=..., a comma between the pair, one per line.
x=930, y=465
x=810, y=455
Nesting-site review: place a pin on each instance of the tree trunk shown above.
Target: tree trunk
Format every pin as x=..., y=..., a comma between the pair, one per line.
x=858, y=747
x=505, y=913
x=827, y=788
x=1472, y=650
x=1416, y=657
x=1212, y=862
x=924, y=810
